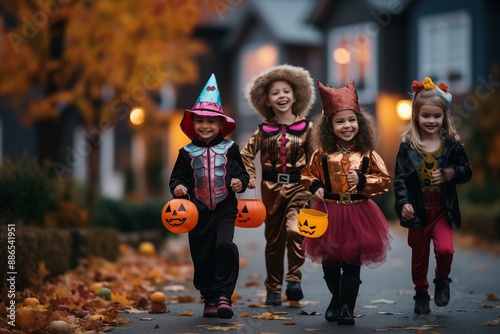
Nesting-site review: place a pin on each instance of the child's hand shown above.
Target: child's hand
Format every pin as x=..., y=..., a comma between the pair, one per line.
x=352, y=178
x=407, y=212
x=319, y=194
x=180, y=191
x=443, y=175
x=251, y=184
x=236, y=185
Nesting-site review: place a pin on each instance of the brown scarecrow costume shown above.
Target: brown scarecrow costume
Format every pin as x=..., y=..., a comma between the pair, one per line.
x=284, y=152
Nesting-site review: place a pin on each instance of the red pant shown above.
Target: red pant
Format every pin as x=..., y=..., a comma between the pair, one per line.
x=441, y=233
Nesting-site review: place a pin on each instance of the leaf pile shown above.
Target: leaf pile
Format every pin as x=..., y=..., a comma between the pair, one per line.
x=90, y=298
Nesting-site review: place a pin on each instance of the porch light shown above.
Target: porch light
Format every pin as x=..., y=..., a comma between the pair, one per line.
x=137, y=116
x=403, y=109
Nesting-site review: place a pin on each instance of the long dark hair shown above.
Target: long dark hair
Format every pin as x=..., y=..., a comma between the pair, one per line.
x=364, y=141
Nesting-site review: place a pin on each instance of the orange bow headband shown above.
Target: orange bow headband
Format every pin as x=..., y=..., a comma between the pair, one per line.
x=441, y=88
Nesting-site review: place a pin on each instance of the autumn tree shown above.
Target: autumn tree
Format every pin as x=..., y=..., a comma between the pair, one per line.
x=102, y=58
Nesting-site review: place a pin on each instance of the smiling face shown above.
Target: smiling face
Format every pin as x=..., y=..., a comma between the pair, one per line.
x=280, y=97
x=207, y=127
x=345, y=126
x=430, y=120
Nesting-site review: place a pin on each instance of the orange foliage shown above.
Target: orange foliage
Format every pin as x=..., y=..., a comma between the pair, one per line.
x=129, y=48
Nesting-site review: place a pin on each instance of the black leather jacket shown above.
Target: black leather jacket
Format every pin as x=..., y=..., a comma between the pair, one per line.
x=407, y=185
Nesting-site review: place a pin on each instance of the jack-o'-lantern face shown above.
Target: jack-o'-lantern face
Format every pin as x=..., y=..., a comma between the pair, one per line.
x=305, y=229
x=179, y=215
x=312, y=223
x=251, y=213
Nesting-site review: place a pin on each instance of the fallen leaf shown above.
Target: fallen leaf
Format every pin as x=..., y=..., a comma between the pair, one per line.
x=383, y=301
x=174, y=288
x=370, y=306
x=289, y=323
x=418, y=328
x=135, y=311
x=492, y=298
x=492, y=323
x=187, y=314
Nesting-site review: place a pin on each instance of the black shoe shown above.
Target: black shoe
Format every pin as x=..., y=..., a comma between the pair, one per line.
x=442, y=292
x=421, y=303
x=346, y=316
x=294, y=291
x=333, y=311
x=273, y=298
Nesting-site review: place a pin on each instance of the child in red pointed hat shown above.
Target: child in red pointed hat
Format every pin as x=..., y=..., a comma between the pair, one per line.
x=210, y=171
x=343, y=174
x=430, y=163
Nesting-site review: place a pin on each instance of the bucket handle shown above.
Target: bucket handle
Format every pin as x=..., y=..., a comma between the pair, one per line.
x=322, y=200
x=171, y=197
x=238, y=195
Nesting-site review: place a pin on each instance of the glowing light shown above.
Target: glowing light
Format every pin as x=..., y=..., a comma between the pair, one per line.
x=137, y=116
x=403, y=109
x=342, y=56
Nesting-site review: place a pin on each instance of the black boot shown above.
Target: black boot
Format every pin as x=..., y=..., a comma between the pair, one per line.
x=421, y=303
x=442, y=292
x=349, y=288
x=332, y=279
x=333, y=309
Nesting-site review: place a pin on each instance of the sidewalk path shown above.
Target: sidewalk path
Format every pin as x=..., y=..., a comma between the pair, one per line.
x=385, y=300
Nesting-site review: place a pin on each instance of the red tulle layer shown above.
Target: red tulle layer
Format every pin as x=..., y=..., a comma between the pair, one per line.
x=357, y=233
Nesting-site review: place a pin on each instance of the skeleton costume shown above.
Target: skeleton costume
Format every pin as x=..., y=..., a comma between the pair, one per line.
x=284, y=152
x=206, y=170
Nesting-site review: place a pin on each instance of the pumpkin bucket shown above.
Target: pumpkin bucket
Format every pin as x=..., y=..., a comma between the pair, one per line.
x=179, y=215
x=312, y=223
x=251, y=212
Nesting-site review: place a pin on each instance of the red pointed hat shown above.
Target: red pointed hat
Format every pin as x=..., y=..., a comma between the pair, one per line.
x=209, y=103
x=335, y=100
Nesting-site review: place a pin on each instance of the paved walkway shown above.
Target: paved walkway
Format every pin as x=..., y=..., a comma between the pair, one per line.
x=384, y=304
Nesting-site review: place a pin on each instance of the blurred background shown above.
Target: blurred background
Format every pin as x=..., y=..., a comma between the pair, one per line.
x=92, y=92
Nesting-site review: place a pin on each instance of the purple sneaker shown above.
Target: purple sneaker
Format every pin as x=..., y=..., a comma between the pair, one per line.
x=210, y=309
x=224, y=309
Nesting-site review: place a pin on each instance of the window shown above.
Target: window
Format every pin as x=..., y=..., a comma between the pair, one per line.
x=253, y=60
x=353, y=54
x=81, y=146
x=444, y=44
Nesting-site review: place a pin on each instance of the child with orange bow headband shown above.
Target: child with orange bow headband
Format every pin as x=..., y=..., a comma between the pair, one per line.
x=430, y=163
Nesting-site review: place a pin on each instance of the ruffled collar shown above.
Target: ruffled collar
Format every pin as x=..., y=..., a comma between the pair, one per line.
x=297, y=128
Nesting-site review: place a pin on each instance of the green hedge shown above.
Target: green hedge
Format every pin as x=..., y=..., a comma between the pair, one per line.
x=27, y=192
x=59, y=249
x=130, y=217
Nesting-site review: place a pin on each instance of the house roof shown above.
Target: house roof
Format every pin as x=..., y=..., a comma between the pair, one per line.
x=285, y=19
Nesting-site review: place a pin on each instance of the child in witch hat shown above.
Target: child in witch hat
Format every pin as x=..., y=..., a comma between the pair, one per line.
x=343, y=174
x=210, y=171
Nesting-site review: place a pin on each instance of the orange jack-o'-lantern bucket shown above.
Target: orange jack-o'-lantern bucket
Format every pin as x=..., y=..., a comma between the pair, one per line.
x=251, y=213
x=312, y=223
x=179, y=215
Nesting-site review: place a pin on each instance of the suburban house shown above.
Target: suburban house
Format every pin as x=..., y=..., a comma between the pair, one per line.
x=383, y=45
